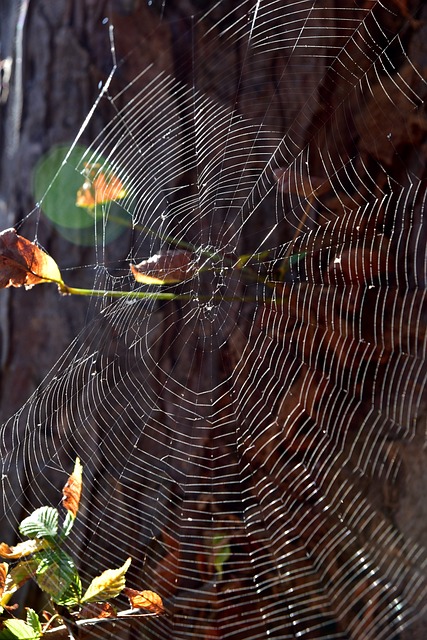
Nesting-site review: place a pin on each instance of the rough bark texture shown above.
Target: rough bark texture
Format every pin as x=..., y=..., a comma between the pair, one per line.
x=65, y=54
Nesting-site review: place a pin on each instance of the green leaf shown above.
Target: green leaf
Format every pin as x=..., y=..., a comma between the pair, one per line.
x=42, y=523
x=33, y=621
x=73, y=594
x=15, y=629
x=221, y=553
x=56, y=573
x=108, y=585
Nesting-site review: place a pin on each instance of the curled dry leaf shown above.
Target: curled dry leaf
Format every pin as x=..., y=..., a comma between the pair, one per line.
x=98, y=610
x=167, y=267
x=72, y=491
x=99, y=188
x=148, y=600
x=22, y=549
x=4, y=567
x=291, y=181
x=23, y=263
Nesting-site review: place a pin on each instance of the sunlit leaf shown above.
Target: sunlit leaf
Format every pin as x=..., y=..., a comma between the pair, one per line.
x=22, y=549
x=57, y=576
x=23, y=263
x=42, y=523
x=148, y=600
x=73, y=489
x=33, y=621
x=16, y=629
x=168, y=267
x=99, y=188
x=108, y=585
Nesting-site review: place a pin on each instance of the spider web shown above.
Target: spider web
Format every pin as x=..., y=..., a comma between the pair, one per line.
x=241, y=441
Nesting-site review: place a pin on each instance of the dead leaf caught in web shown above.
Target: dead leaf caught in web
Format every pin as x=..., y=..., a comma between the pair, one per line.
x=168, y=267
x=148, y=600
x=23, y=263
x=73, y=489
x=99, y=188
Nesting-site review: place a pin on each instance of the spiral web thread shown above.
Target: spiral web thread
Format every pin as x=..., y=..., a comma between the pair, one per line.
x=264, y=415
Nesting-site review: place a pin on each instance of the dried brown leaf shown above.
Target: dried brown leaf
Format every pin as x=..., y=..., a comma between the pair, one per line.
x=148, y=600
x=168, y=267
x=72, y=491
x=23, y=263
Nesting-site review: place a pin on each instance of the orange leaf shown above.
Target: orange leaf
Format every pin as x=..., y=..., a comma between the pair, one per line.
x=4, y=567
x=72, y=491
x=98, y=610
x=167, y=267
x=99, y=187
x=23, y=263
x=148, y=600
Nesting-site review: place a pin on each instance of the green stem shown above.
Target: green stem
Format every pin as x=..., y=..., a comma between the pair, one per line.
x=150, y=295
x=102, y=293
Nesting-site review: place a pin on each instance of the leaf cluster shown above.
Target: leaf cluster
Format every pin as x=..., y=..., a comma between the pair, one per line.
x=41, y=558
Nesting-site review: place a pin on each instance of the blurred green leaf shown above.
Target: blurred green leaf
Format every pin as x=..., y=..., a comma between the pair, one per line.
x=221, y=553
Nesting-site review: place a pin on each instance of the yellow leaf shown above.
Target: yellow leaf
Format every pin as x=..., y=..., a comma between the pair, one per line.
x=108, y=585
x=22, y=549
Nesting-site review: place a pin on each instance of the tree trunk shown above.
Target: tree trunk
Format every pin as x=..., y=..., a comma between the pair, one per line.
x=195, y=418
